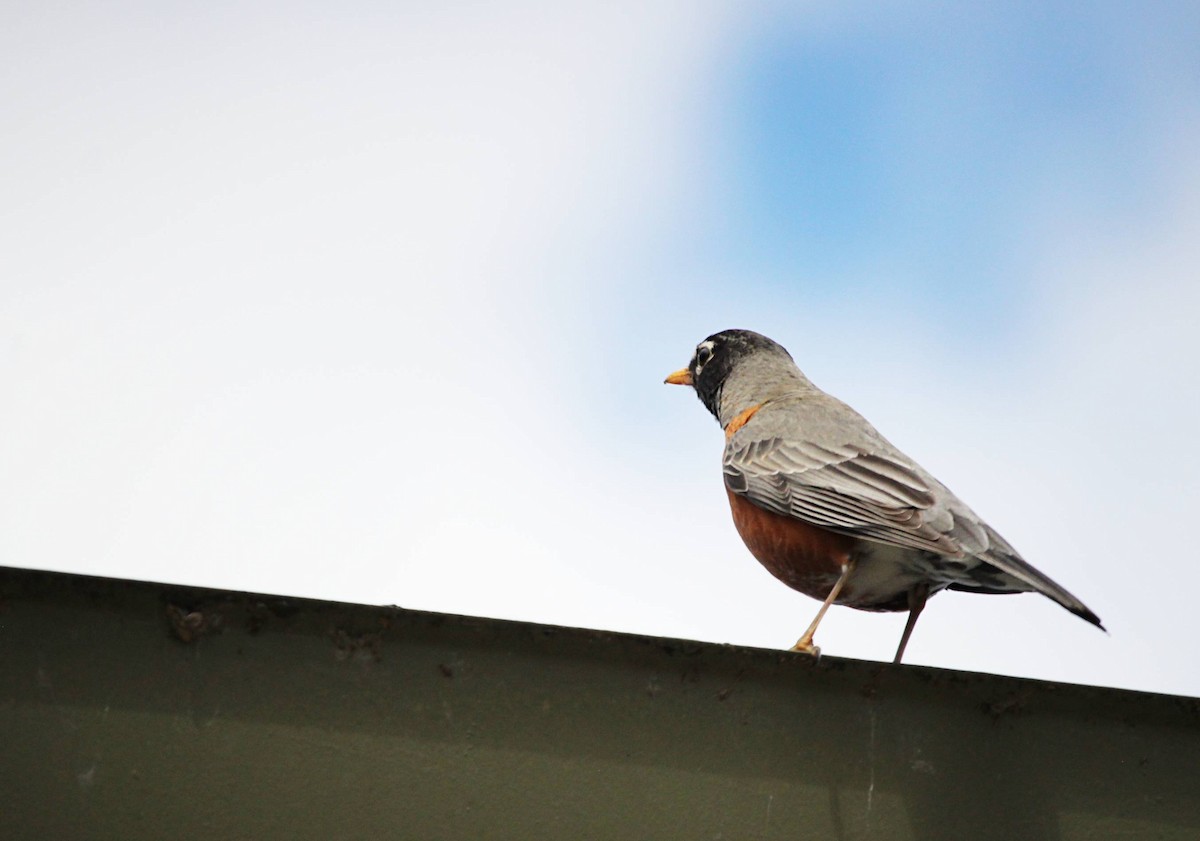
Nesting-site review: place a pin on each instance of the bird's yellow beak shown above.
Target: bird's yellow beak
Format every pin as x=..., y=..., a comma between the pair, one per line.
x=681, y=377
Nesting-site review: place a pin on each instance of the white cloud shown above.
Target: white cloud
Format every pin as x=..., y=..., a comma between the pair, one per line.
x=270, y=308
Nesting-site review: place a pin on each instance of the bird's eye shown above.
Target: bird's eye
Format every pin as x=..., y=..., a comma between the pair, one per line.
x=703, y=354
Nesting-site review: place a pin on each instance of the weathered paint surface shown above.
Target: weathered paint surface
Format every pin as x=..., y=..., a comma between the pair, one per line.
x=141, y=711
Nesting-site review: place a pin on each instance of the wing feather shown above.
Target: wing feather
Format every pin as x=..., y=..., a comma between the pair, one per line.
x=845, y=488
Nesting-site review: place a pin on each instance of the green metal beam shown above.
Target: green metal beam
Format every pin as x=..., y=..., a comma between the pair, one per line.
x=142, y=711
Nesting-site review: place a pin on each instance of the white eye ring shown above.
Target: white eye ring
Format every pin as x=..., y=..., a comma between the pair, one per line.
x=703, y=354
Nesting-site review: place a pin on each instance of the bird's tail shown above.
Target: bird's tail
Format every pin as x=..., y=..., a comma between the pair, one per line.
x=1005, y=559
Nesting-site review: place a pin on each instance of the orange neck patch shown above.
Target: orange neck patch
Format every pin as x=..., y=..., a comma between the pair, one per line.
x=740, y=420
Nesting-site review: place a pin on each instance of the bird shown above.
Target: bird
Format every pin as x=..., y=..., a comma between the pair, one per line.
x=830, y=507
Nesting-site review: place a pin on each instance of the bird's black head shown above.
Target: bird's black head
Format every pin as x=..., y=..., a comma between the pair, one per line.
x=715, y=357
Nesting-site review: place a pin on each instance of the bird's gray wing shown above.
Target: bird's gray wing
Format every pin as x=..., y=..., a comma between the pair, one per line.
x=852, y=487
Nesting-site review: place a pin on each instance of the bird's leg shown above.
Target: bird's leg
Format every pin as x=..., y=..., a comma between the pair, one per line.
x=805, y=643
x=916, y=603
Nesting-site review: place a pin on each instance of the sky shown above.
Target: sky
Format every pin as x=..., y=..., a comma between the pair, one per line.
x=374, y=303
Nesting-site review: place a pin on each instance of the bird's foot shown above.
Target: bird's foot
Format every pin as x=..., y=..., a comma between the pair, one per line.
x=805, y=646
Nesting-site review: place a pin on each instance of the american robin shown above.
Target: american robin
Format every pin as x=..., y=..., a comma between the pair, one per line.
x=830, y=507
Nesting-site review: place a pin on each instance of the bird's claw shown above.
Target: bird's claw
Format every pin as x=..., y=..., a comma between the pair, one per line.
x=806, y=647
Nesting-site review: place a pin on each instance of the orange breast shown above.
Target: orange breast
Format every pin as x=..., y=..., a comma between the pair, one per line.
x=804, y=557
